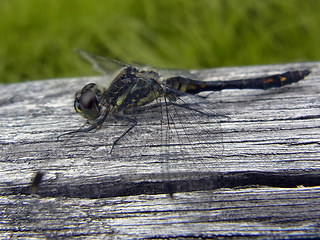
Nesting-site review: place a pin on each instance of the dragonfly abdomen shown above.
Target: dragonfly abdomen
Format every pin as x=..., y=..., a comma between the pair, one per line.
x=277, y=80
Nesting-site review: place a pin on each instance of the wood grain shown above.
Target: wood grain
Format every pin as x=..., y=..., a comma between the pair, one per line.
x=265, y=184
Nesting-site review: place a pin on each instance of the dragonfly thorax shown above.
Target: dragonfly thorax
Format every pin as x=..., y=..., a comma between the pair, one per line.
x=133, y=88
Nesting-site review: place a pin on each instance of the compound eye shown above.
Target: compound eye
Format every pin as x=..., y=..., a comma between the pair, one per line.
x=88, y=99
x=87, y=102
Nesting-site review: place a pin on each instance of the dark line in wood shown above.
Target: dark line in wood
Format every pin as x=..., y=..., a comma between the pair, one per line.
x=206, y=181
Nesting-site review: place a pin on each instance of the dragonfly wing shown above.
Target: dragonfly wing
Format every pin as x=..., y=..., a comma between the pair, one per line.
x=104, y=65
x=170, y=73
x=107, y=66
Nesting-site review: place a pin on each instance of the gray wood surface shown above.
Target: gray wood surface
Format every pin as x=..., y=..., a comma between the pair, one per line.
x=265, y=183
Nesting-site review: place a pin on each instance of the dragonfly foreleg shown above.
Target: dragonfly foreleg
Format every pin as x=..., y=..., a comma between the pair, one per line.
x=93, y=126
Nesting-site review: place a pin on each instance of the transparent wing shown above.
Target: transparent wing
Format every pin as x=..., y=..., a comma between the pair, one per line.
x=195, y=133
x=173, y=139
x=179, y=141
x=107, y=66
x=104, y=65
x=169, y=73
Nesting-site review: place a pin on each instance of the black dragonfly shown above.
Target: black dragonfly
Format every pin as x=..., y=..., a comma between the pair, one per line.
x=138, y=94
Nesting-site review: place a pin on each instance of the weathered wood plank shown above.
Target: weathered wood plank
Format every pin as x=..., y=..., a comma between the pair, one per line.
x=242, y=213
x=271, y=140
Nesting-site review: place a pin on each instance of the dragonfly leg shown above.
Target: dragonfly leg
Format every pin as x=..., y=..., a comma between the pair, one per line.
x=126, y=119
x=95, y=125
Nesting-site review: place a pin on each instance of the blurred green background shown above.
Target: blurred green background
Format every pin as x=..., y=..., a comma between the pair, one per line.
x=37, y=37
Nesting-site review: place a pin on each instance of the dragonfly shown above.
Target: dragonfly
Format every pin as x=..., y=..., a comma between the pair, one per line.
x=133, y=88
x=137, y=93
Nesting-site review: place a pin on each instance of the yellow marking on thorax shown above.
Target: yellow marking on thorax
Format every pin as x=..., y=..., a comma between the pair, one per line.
x=121, y=99
x=184, y=87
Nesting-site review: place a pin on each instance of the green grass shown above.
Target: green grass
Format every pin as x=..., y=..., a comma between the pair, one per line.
x=38, y=36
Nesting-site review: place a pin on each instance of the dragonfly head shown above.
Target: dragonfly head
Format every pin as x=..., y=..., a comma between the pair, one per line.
x=87, y=101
